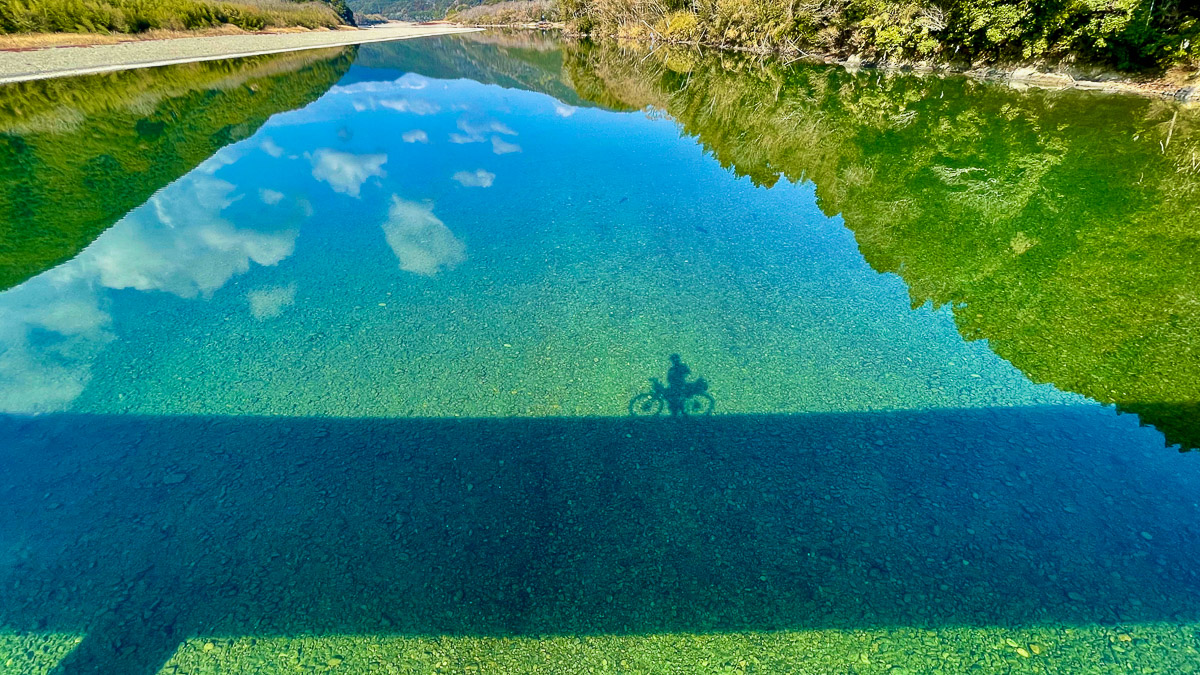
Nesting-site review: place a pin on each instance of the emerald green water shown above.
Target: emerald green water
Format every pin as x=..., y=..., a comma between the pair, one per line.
x=324, y=361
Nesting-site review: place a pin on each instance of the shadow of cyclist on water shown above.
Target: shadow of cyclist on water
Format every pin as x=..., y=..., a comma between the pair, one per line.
x=677, y=391
x=680, y=396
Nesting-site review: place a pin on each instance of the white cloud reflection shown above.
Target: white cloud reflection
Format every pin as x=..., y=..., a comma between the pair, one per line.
x=477, y=178
x=395, y=95
x=270, y=197
x=270, y=147
x=477, y=130
x=179, y=244
x=422, y=243
x=415, y=136
x=50, y=330
x=409, y=81
x=503, y=147
x=414, y=106
x=54, y=325
x=412, y=81
x=346, y=172
x=480, y=127
x=221, y=159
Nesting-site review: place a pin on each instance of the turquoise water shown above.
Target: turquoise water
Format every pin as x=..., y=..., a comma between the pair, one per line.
x=481, y=270
x=353, y=393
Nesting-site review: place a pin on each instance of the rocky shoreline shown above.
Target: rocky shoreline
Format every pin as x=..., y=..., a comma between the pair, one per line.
x=1033, y=76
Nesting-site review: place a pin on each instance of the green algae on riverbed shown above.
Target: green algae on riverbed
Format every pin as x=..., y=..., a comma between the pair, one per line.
x=964, y=650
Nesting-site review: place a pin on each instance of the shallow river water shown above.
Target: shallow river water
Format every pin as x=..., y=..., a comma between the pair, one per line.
x=340, y=361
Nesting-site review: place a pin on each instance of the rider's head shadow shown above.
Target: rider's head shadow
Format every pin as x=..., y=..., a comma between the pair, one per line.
x=680, y=396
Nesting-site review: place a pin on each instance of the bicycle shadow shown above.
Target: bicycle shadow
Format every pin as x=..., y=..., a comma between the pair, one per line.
x=679, y=396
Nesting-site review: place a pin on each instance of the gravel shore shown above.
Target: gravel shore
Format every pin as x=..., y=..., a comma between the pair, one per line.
x=17, y=66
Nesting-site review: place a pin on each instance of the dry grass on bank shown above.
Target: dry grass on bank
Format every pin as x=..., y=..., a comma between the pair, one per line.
x=135, y=17
x=512, y=12
x=23, y=41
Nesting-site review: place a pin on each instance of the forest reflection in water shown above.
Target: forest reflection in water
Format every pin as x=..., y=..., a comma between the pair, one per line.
x=1059, y=225
x=77, y=154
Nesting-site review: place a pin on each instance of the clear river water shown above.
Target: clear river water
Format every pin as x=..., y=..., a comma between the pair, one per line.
x=340, y=361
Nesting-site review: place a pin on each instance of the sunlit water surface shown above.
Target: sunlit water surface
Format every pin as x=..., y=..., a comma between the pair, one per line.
x=353, y=394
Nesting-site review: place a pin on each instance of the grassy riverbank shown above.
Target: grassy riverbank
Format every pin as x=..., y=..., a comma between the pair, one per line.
x=141, y=16
x=1127, y=35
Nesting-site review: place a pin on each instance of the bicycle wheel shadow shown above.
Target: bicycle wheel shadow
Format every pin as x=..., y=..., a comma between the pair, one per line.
x=144, y=531
x=680, y=396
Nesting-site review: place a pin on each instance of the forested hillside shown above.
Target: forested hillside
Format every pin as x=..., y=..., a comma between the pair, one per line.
x=1121, y=34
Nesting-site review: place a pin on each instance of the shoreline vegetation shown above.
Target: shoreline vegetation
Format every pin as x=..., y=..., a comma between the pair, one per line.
x=1132, y=45
x=164, y=17
x=31, y=41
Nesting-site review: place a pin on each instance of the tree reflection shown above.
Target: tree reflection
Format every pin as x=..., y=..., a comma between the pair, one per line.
x=104, y=144
x=1057, y=225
